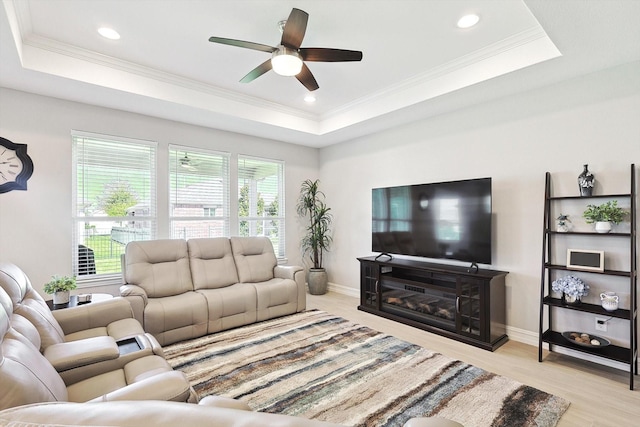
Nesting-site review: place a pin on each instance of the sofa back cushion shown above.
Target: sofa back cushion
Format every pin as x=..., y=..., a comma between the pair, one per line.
x=28, y=303
x=25, y=375
x=160, y=267
x=211, y=262
x=254, y=258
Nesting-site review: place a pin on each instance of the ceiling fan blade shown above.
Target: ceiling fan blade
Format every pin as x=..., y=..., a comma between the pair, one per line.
x=306, y=78
x=295, y=28
x=257, y=72
x=320, y=54
x=241, y=43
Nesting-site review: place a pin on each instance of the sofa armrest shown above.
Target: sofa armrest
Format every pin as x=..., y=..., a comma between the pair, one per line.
x=286, y=271
x=73, y=354
x=94, y=315
x=224, y=402
x=295, y=273
x=137, y=297
x=167, y=386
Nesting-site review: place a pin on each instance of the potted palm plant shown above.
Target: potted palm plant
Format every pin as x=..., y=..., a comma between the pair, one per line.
x=603, y=215
x=312, y=208
x=60, y=288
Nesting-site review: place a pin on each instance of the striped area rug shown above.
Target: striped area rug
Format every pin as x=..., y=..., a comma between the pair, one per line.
x=319, y=366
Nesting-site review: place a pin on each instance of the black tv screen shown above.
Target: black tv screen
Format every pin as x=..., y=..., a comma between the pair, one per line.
x=446, y=220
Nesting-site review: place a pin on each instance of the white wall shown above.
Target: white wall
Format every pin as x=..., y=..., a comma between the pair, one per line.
x=513, y=140
x=35, y=225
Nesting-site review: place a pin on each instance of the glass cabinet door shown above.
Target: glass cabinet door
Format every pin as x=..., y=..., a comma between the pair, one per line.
x=468, y=307
x=368, y=285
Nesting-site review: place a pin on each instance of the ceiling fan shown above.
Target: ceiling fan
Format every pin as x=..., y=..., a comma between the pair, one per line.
x=187, y=163
x=288, y=57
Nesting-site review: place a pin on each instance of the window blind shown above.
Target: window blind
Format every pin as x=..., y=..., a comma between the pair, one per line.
x=261, y=200
x=198, y=193
x=114, y=200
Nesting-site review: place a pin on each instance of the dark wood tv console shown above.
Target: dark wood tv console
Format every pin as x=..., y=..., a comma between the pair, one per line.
x=468, y=306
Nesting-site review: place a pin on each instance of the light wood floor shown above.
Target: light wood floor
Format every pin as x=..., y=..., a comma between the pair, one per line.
x=599, y=395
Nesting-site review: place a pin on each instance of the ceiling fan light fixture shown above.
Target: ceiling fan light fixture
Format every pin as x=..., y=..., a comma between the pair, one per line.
x=286, y=62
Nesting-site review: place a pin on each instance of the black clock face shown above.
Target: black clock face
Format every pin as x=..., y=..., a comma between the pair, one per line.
x=16, y=166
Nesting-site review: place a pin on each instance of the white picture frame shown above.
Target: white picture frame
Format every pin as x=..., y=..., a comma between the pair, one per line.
x=585, y=259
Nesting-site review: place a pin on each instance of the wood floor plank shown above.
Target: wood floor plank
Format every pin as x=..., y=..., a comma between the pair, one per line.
x=599, y=395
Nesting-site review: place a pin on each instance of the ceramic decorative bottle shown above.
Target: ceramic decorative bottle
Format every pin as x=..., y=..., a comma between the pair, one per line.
x=585, y=181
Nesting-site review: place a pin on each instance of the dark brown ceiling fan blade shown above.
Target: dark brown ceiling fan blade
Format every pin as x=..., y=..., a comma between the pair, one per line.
x=242, y=43
x=257, y=72
x=306, y=78
x=295, y=28
x=320, y=54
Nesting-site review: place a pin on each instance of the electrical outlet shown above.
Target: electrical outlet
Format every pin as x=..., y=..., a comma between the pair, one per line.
x=601, y=324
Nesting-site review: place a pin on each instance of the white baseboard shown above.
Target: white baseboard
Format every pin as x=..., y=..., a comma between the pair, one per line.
x=344, y=290
x=516, y=334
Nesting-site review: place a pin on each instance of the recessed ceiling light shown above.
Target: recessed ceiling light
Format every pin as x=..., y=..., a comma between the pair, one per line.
x=109, y=33
x=310, y=98
x=468, y=21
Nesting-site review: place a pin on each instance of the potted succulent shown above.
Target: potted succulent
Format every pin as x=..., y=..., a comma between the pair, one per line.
x=603, y=215
x=60, y=288
x=316, y=241
x=572, y=288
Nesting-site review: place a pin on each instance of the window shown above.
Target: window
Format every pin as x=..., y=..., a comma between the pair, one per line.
x=261, y=200
x=198, y=193
x=114, y=200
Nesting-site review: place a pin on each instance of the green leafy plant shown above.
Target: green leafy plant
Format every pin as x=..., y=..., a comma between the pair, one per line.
x=606, y=212
x=60, y=284
x=312, y=207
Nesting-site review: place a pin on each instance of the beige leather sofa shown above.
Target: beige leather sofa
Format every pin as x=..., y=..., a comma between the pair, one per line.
x=80, y=342
x=211, y=411
x=186, y=289
x=112, y=318
x=28, y=377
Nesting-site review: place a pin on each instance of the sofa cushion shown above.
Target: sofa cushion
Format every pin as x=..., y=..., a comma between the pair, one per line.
x=211, y=263
x=22, y=364
x=254, y=258
x=230, y=307
x=29, y=304
x=176, y=318
x=276, y=297
x=160, y=267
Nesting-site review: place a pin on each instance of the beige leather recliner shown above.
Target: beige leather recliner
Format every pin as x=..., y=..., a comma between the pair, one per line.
x=112, y=318
x=28, y=377
x=96, y=333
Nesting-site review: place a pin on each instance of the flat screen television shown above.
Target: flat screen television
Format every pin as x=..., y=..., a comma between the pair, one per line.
x=444, y=220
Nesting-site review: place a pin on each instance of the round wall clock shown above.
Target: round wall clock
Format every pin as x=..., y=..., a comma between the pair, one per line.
x=16, y=166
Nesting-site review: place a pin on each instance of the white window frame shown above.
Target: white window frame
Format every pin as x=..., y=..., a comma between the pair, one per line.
x=225, y=196
x=253, y=218
x=150, y=212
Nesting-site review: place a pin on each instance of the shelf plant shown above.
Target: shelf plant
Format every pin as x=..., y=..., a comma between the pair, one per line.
x=603, y=215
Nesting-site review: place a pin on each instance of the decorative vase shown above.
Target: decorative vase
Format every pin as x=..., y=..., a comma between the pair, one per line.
x=570, y=299
x=585, y=182
x=61, y=297
x=317, y=281
x=609, y=301
x=603, y=226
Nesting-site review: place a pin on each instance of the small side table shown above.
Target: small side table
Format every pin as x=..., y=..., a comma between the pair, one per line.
x=73, y=301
